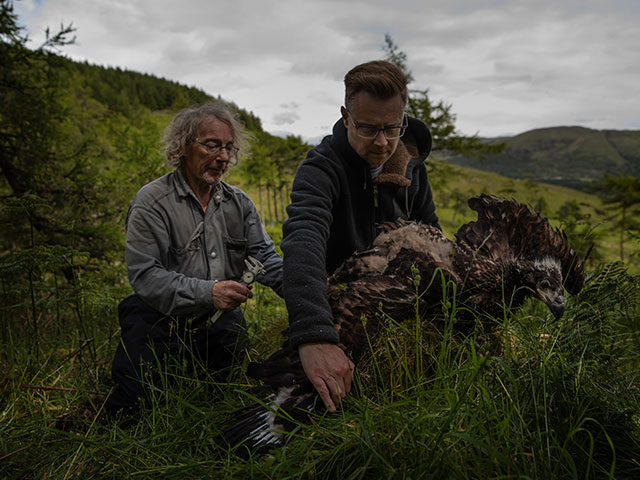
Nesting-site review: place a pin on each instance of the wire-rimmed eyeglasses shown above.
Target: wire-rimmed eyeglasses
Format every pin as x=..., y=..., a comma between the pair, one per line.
x=214, y=148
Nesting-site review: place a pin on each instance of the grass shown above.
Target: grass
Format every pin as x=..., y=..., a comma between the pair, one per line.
x=532, y=399
x=535, y=399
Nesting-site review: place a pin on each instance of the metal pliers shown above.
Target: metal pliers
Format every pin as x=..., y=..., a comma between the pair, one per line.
x=253, y=267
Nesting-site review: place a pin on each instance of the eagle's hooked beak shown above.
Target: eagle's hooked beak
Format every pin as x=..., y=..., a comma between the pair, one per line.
x=554, y=302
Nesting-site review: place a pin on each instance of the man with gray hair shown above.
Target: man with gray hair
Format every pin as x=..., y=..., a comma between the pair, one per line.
x=188, y=235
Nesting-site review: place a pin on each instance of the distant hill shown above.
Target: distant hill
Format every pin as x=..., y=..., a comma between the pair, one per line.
x=568, y=156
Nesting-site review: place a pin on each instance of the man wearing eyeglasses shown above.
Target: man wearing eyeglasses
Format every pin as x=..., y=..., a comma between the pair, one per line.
x=370, y=170
x=188, y=235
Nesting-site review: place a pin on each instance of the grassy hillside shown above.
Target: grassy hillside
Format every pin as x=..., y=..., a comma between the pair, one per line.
x=472, y=181
x=570, y=156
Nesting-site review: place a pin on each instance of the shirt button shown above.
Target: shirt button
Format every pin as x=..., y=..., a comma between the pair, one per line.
x=213, y=255
x=217, y=197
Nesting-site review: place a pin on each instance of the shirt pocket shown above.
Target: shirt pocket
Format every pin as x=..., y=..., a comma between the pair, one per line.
x=236, y=250
x=186, y=260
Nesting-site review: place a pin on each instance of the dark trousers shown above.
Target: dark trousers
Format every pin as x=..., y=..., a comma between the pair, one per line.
x=153, y=343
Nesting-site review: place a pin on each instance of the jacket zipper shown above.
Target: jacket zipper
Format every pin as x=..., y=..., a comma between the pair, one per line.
x=374, y=210
x=375, y=195
x=368, y=180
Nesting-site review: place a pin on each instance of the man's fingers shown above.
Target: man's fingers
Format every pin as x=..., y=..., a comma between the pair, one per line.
x=342, y=381
x=345, y=388
x=329, y=370
x=338, y=389
x=229, y=294
x=349, y=378
x=325, y=396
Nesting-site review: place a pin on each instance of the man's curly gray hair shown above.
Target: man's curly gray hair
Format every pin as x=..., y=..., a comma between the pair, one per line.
x=185, y=125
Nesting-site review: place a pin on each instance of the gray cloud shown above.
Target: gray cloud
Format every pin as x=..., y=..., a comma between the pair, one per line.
x=285, y=118
x=505, y=66
x=288, y=115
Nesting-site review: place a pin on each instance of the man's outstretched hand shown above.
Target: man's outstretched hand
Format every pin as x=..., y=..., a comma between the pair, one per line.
x=329, y=370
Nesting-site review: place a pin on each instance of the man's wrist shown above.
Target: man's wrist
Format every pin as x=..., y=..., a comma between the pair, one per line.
x=213, y=285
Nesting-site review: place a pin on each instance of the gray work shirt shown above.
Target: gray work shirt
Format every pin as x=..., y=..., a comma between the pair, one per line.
x=175, y=251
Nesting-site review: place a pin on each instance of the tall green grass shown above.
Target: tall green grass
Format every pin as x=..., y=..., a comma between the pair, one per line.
x=526, y=398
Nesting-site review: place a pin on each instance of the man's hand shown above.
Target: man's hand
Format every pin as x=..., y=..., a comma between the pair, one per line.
x=229, y=294
x=329, y=370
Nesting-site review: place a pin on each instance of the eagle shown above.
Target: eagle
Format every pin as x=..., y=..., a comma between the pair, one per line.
x=510, y=253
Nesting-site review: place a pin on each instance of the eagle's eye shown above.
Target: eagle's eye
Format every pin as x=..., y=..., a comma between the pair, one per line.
x=545, y=285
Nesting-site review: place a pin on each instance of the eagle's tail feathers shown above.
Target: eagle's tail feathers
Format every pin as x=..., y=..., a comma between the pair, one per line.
x=254, y=430
x=264, y=424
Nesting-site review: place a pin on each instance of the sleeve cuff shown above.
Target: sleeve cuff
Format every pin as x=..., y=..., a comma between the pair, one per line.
x=318, y=334
x=203, y=293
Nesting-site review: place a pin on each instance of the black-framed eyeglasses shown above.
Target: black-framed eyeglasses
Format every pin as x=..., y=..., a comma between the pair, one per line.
x=390, y=132
x=214, y=148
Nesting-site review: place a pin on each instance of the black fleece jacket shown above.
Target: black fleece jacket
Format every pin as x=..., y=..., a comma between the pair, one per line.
x=335, y=209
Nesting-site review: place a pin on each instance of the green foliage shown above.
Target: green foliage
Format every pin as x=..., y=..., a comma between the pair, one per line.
x=582, y=233
x=50, y=151
x=441, y=121
x=396, y=56
x=622, y=194
x=270, y=167
x=456, y=200
x=126, y=92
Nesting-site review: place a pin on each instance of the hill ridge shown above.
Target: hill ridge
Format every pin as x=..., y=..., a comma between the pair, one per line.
x=573, y=156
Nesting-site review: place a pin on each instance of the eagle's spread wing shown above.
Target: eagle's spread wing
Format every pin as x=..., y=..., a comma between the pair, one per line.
x=507, y=227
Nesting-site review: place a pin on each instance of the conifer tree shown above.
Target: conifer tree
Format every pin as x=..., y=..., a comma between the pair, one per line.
x=52, y=182
x=437, y=116
x=622, y=195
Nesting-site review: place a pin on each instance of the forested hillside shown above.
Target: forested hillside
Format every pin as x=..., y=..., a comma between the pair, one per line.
x=570, y=156
x=126, y=92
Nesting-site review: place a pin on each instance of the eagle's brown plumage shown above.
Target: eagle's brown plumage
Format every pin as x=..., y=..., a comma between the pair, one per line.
x=508, y=254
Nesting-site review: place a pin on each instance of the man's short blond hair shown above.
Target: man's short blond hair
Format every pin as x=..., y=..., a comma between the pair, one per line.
x=379, y=78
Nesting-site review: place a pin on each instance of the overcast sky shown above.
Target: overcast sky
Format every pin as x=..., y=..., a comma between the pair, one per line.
x=505, y=66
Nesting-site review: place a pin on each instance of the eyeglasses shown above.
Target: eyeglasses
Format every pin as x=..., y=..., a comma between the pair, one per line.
x=214, y=148
x=391, y=132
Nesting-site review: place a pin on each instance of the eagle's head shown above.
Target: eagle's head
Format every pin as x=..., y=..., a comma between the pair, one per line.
x=543, y=277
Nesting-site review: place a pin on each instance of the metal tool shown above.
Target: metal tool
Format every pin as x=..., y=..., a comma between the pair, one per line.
x=252, y=268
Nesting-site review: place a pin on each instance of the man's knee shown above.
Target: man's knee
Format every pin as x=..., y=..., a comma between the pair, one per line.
x=147, y=338
x=144, y=341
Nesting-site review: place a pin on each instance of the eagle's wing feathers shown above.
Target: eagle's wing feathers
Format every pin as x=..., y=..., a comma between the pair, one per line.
x=510, y=229
x=359, y=309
